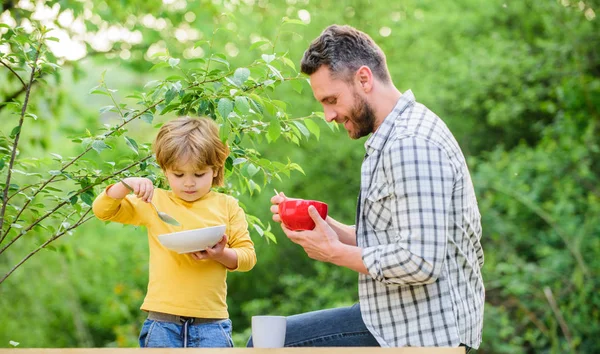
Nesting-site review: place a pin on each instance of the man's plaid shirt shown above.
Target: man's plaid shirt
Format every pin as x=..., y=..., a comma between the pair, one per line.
x=419, y=226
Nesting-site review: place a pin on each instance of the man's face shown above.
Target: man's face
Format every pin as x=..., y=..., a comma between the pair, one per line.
x=343, y=103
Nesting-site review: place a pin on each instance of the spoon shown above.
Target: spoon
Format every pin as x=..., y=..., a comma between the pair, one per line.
x=163, y=216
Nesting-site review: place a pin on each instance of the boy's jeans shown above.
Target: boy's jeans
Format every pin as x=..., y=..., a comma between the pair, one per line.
x=158, y=334
x=340, y=327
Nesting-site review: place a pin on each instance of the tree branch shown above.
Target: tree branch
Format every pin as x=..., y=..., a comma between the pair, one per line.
x=12, y=71
x=559, y=317
x=16, y=141
x=67, y=165
x=43, y=245
x=60, y=205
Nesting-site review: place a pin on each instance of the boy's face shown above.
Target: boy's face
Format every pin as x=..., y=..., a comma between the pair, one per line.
x=189, y=183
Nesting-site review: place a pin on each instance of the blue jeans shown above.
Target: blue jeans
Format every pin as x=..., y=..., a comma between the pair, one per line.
x=341, y=327
x=158, y=334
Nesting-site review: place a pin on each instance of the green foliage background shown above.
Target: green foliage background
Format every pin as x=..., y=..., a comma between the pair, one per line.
x=518, y=82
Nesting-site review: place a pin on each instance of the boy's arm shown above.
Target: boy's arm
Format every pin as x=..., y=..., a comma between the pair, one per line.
x=239, y=238
x=228, y=257
x=121, y=210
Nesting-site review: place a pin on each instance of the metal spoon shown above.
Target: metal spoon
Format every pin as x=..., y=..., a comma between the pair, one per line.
x=163, y=216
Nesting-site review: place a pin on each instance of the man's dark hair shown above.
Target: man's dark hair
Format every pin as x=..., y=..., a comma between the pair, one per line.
x=344, y=49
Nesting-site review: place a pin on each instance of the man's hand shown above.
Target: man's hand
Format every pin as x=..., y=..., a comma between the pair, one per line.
x=275, y=200
x=321, y=243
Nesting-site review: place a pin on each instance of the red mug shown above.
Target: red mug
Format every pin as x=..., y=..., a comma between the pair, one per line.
x=294, y=213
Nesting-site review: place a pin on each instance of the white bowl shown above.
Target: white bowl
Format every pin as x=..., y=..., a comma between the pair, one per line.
x=192, y=240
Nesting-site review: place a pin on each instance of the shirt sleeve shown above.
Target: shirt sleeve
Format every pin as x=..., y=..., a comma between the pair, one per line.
x=421, y=178
x=117, y=210
x=239, y=238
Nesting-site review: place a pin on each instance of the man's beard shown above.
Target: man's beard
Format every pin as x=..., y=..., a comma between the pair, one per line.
x=362, y=118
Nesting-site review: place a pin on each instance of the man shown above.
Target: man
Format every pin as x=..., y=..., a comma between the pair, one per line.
x=416, y=243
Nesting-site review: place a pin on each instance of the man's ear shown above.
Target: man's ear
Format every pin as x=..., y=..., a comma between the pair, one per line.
x=364, y=77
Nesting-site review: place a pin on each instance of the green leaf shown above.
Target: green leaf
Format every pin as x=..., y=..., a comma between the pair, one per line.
x=252, y=169
x=106, y=109
x=259, y=229
x=99, y=92
x=253, y=186
x=302, y=128
x=241, y=74
x=170, y=95
x=219, y=60
x=274, y=130
x=15, y=131
x=200, y=43
x=295, y=166
x=99, y=145
x=87, y=198
x=239, y=160
x=147, y=117
x=224, y=131
x=132, y=144
x=152, y=83
x=31, y=115
x=258, y=44
x=287, y=61
x=173, y=62
x=54, y=173
x=268, y=57
x=160, y=65
x=229, y=163
x=313, y=127
x=241, y=103
x=275, y=72
x=286, y=20
x=225, y=107
x=297, y=85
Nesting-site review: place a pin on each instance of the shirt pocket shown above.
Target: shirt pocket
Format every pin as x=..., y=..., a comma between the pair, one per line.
x=378, y=206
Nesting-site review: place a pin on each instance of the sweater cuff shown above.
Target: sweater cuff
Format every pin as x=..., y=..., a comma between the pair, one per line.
x=246, y=259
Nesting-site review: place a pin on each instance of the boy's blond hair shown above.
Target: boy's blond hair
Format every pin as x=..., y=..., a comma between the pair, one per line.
x=194, y=140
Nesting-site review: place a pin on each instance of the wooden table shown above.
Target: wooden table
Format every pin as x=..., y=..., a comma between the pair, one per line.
x=312, y=350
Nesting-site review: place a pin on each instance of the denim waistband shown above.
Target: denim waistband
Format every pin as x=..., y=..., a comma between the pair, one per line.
x=165, y=317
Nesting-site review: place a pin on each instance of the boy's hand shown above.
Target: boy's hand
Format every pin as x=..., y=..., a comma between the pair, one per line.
x=215, y=252
x=142, y=187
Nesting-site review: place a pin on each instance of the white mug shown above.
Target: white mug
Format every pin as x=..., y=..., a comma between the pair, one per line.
x=268, y=331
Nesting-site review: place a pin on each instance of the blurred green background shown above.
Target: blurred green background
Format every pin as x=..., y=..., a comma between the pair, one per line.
x=518, y=82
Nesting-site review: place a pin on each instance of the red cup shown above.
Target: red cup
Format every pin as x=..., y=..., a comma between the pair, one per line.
x=294, y=213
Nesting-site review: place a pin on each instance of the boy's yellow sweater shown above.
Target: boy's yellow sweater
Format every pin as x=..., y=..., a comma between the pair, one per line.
x=178, y=284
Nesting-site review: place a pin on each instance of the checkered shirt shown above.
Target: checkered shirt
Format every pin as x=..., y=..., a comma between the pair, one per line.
x=419, y=227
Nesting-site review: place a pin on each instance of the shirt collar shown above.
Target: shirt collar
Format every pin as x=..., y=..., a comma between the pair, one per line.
x=378, y=139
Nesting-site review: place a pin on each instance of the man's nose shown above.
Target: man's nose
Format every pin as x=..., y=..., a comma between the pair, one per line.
x=330, y=114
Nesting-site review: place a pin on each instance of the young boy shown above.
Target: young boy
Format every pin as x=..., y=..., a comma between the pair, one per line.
x=186, y=292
